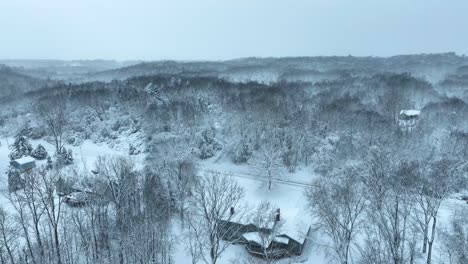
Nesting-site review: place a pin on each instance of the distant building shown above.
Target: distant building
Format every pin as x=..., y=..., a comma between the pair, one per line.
x=23, y=164
x=408, y=119
x=409, y=114
x=289, y=241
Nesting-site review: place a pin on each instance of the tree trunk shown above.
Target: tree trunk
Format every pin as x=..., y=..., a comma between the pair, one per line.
x=28, y=241
x=57, y=245
x=396, y=239
x=426, y=231
x=39, y=240
x=10, y=254
x=348, y=244
x=429, y=251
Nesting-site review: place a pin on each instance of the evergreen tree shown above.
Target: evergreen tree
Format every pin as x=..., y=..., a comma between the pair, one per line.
x=20, y=148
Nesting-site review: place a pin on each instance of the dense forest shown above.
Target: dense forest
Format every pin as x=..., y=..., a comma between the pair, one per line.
x=378, y=178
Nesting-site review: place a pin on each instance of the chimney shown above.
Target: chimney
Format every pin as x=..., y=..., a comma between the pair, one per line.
x=232, y=211
x=278, y=215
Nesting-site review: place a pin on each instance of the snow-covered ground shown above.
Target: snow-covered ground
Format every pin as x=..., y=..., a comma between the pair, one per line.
x=288, y=197
x=87, y=153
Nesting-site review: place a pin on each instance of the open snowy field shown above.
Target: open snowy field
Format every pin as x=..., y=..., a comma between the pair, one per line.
x=85, y=154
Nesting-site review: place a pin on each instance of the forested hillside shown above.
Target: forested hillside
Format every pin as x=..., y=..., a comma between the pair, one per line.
x=382, y=141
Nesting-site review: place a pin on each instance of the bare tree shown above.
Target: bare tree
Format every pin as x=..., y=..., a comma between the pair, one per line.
x=388, y=182
x=8, y=234
x=22, y=218
x=183, y=172
x=34, y=204
x=437, y=184
x=53, y=112
x=52, y=204
x=423, y=200
x=455, y=238
x=338, y=205
x=269, y=166
x=120, y=183
x=194, y=244
x=213, y=197
x=268, y=220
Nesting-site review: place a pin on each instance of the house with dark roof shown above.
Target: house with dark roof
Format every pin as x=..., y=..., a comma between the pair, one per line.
x=271, y=242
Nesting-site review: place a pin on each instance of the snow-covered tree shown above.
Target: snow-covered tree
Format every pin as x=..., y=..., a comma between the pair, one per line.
x=388, y=183
x=207, y=143
x=338, y=206
x=155, y=93
x=241, y=150
x=268, y=217
x=52, y=205
x=433, y=187
x=20, y=148
x=213, y=198
x=53, y=112
x=455, y=238
x=268, y=165
x=8, y=235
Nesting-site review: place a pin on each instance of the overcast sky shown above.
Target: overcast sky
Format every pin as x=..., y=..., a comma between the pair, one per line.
x=225, y=29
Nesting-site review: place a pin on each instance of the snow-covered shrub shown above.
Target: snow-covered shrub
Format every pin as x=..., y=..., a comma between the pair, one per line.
x=64, y=157
x=120, y=124
x=132, y=150
x=20, y=148
x=50, y=163
x=39, y=153
x=105, y=133
x=71, y=140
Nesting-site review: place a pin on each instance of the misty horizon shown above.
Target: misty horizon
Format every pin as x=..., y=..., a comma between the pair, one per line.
x=209, y=30
x=230, y=59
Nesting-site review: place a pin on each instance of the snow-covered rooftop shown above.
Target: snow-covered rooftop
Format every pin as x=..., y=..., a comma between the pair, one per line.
x=294, y=223
x=410, y=112
x=256, y=237
x=25, y=160
x=282, y=240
